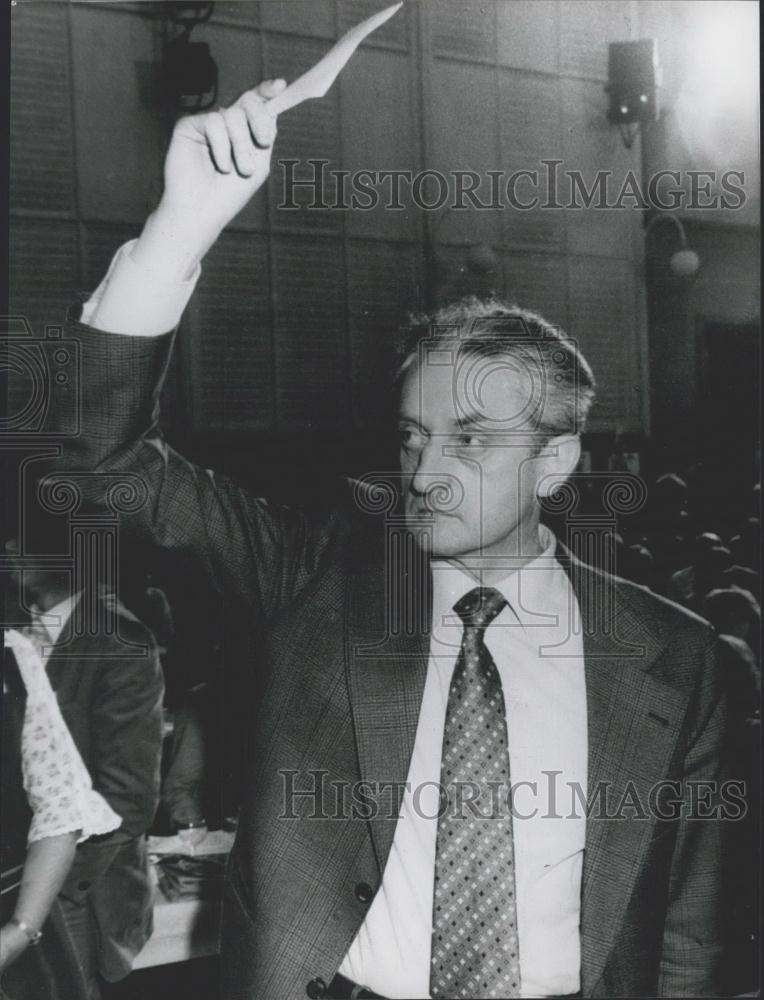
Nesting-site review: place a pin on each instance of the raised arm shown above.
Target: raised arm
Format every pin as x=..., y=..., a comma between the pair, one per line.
x=259, y=554
x=216, y=162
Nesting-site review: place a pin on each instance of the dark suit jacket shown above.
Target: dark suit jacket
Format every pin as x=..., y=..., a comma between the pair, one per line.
x=342, y=692
x=109, y=688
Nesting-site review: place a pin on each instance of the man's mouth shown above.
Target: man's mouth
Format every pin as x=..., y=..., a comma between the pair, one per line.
x=419, y=509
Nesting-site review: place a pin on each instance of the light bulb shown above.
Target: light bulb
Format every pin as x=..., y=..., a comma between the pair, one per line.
x=684, y=263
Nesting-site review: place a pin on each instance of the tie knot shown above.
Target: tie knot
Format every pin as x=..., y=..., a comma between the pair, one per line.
x=479, y=607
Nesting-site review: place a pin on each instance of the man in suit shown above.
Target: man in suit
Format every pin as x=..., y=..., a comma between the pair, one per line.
x=104, y=668
x=438, y=658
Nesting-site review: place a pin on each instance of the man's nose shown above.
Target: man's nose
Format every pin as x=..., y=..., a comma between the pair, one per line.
x=430, y=468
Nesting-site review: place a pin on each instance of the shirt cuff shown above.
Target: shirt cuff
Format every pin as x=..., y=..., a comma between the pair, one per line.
x=132, y=302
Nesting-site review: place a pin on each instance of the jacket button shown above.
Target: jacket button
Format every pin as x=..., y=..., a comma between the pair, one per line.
x=82, y=886
x=315, y=989
x=364, y=892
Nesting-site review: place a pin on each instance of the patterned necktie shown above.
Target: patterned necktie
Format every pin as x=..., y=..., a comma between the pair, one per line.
x=475, y=950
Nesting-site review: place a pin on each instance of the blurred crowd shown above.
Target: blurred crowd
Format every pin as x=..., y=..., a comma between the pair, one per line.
x=675, y=547
x=680, y=546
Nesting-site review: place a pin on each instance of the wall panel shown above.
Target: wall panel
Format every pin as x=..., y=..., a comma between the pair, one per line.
x=464, y=30
x=463, y=124
x=538, y=282
x=312, y=363
x=601, y=318
x=44, y=270
x=119, y=129
x=528, y=35
x=42, y=177
x=382, y=141
x=310, y=131
x=586, y=28
x=382, y=286
x=529, y=116
x=596, y=151
x=227, y=339
x=299, y=17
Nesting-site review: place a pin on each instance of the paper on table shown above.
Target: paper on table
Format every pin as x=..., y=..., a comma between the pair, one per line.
x=317, y=80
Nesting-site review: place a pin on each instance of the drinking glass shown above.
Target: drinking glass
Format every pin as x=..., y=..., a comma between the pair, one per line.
x=191, y=832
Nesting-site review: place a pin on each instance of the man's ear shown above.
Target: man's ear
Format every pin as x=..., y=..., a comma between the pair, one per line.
x=558, y=458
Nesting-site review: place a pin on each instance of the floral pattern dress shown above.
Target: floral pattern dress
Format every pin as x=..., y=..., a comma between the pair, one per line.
x=56, y=781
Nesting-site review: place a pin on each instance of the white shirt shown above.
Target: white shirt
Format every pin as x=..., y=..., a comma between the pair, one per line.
x=537, y=647
x=538, y=650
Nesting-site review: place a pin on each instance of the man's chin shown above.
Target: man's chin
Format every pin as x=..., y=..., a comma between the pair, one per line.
x=439, y=539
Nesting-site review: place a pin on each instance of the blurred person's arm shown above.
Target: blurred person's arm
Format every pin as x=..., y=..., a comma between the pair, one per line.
x=125, y=728
x=45, y=869
x=126, y=732
x=185, y=784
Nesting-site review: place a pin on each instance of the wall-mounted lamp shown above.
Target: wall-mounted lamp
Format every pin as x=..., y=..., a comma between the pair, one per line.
x=684, y=262
x=633, y=81
x=189, y=73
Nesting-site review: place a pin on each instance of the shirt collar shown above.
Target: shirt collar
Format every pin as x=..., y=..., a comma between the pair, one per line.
x=537, y=593
x=54, y=619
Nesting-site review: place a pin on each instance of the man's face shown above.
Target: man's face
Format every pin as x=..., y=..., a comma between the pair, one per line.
x=468, y=457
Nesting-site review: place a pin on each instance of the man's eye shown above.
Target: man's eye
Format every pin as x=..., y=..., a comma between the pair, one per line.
x=410, y=438
x=471, y=441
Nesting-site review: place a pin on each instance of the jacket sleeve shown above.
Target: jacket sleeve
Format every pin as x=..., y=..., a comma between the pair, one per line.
x=126, y=734
x=124, y=751
x=258, y=554
x=692, y=958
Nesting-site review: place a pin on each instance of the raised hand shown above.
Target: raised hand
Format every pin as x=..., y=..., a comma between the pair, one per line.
x=215, y=163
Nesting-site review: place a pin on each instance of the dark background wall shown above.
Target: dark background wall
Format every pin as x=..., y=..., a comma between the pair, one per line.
x=704, y=334
x=283, y=355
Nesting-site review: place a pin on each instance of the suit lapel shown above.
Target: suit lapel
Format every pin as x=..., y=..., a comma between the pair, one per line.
x=633, y=722
x=386, y=649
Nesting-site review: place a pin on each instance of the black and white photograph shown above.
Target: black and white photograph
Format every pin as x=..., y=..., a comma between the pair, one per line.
x=381, y=500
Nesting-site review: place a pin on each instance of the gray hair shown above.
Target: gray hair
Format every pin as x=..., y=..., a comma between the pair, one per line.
x=539, y=352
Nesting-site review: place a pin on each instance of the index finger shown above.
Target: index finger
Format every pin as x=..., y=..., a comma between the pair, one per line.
x=268, y=88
